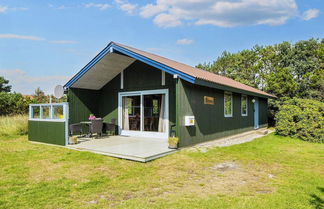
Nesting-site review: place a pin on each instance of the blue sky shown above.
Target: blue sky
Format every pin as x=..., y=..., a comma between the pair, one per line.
x=44, y=43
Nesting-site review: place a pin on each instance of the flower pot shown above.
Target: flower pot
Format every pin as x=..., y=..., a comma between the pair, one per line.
x=173, y=146
x=73, y=140
x=173, y=142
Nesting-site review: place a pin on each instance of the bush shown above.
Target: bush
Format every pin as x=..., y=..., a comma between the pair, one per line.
x=13, y=104
x=13, y=125
x=302, y=118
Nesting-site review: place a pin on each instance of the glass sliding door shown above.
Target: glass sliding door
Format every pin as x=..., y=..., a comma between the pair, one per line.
x=144, y=113
x=131, y=113
x=154, y=110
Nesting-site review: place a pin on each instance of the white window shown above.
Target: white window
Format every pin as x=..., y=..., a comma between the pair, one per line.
x=244, y=105
x=228, y=104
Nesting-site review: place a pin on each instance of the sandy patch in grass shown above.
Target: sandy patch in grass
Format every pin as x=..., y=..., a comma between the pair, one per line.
x=216, y=179
x=46, y=170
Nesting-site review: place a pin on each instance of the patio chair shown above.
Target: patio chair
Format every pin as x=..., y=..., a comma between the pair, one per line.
x=76, y=128
x=111, y=127
x=96, y=127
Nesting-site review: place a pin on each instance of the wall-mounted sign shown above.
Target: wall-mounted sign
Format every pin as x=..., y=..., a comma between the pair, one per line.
x=189, y=120
x=208, y=100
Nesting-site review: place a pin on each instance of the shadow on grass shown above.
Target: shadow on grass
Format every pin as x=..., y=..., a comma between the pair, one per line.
x=317, y=201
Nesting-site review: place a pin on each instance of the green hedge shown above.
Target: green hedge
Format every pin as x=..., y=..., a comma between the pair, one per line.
x=13, y=104
x=302, y=118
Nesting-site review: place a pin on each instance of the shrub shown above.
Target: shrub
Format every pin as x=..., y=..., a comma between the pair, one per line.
x=13, y=104
x=173, y=141
x=302, y=118
x=13, y=125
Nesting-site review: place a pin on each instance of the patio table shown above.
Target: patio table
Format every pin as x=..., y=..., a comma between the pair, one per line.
x=85, y=122
x=88, y=123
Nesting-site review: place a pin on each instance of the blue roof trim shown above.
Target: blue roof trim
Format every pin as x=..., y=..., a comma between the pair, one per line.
x=146, y=60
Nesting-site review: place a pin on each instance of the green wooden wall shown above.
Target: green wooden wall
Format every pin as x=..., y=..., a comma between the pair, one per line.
x=210, y=120
x=104, y=102
x=46, y=132
x=82, y=103
x=263, y=112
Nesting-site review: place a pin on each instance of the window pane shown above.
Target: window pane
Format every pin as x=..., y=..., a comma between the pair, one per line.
x=152, y=113
x=58, y=112
x=228, y=104
x=131, y=119
x=35, y=112
x=46, y=112
x=244, y=105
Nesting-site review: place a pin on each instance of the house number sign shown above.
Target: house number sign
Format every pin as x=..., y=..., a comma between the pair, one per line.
x=208, y=100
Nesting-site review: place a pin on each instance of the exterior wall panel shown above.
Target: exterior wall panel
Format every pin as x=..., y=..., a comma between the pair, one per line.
x=82, y=103
x=210, y=122
x=46, y=132
x=263, y=112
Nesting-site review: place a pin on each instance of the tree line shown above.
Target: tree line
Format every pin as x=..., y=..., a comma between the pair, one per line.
x=287, y=70
x=13, y=103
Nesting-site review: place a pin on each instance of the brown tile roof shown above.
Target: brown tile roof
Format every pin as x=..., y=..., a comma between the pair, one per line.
x=196, y=72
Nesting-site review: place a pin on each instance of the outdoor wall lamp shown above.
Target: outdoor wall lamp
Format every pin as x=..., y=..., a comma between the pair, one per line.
x=253, y=100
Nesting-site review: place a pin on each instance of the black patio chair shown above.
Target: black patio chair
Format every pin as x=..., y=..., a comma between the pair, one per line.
x=75, y=128
x=96, y=127
x=111, y=127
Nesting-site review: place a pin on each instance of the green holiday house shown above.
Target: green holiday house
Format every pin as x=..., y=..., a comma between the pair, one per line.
x=153, y=97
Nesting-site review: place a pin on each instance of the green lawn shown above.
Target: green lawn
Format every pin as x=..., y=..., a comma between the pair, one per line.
x=272, y=172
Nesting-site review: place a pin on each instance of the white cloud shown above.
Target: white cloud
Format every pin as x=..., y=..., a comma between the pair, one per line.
x=185, y=41
x=63, y=42
x=35, y=38
x=310, y=14
x=99, y=6
x=26, y=84
x=224, y=13
x=166, y=20
x=57, y=7
x=61, y=7
x=126, y=6
x=15, y=36
x=129, y=8
x=150, y=10
x=4, y=9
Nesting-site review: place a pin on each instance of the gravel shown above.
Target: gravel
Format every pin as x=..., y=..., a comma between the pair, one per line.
x=232, y=140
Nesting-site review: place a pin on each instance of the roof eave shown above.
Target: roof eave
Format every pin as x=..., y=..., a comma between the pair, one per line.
x=202, y=82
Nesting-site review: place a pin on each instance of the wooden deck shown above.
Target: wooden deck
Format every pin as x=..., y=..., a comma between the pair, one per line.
x=131, y=148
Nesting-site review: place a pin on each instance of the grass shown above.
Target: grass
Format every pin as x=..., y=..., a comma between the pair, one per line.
x=13, y=125
x=272, y=172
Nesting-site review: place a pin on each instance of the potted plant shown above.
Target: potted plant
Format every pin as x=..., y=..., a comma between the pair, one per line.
x=92, y=117
x=173, y=142
x=73, y=140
